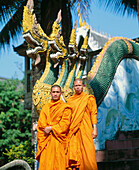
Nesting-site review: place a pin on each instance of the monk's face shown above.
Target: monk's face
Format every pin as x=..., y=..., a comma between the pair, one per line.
x=78, y=86
x=55, y=93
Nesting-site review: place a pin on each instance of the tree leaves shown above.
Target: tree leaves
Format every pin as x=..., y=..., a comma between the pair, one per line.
x=9, y=95
x=15, y=121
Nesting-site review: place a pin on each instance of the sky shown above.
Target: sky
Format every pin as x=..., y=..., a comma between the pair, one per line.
x=12, y=65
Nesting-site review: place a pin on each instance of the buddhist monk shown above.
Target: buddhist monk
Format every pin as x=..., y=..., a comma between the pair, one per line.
x=52, y=129
x=83, y=129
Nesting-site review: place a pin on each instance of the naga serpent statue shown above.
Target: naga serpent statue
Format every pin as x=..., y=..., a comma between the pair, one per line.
x=64, y=65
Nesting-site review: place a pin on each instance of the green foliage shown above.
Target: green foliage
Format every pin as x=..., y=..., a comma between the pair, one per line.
x=11, y=94
x=15, y=123
x=24, y=152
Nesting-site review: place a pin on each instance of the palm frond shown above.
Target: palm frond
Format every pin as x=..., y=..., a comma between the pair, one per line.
x=7, y=8
x=12, y=28
x=120, y=6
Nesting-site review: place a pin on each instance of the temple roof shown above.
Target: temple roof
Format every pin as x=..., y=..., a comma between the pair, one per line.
x=21, y=49
x=96, y=40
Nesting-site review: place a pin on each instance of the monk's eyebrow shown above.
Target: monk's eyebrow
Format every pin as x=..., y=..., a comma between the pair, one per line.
x=56, y=91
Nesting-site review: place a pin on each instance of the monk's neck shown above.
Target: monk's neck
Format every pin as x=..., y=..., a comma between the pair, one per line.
x=82, y=93
x=55, y=101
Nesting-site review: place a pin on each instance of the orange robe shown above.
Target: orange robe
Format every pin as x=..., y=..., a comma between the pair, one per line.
x=51, y=147
x=81, y=151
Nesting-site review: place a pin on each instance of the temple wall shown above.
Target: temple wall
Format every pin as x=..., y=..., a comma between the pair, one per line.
x=120, y=108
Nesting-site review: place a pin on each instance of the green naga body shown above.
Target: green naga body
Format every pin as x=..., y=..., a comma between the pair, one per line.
x=115, y=50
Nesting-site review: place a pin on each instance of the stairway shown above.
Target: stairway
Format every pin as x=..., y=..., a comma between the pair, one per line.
x=122, y=153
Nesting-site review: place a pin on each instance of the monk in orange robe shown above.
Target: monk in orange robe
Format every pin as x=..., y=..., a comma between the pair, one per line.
x=83, y=129
x=52, y=129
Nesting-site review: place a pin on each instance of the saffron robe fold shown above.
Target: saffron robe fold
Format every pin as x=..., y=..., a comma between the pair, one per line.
x=81, y=152
x=51, y=147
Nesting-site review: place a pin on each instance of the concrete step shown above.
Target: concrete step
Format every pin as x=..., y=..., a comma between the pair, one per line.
x=122, y=144
x=119, y=165
x=122, y=135
x=120, y=154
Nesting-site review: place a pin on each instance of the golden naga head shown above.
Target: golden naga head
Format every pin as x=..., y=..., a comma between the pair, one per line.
x=39, y=42
x=84, y=48
x=72, y=47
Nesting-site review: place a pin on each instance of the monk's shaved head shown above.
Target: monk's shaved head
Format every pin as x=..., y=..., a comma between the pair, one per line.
x=78, y=80
x=55, y=86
